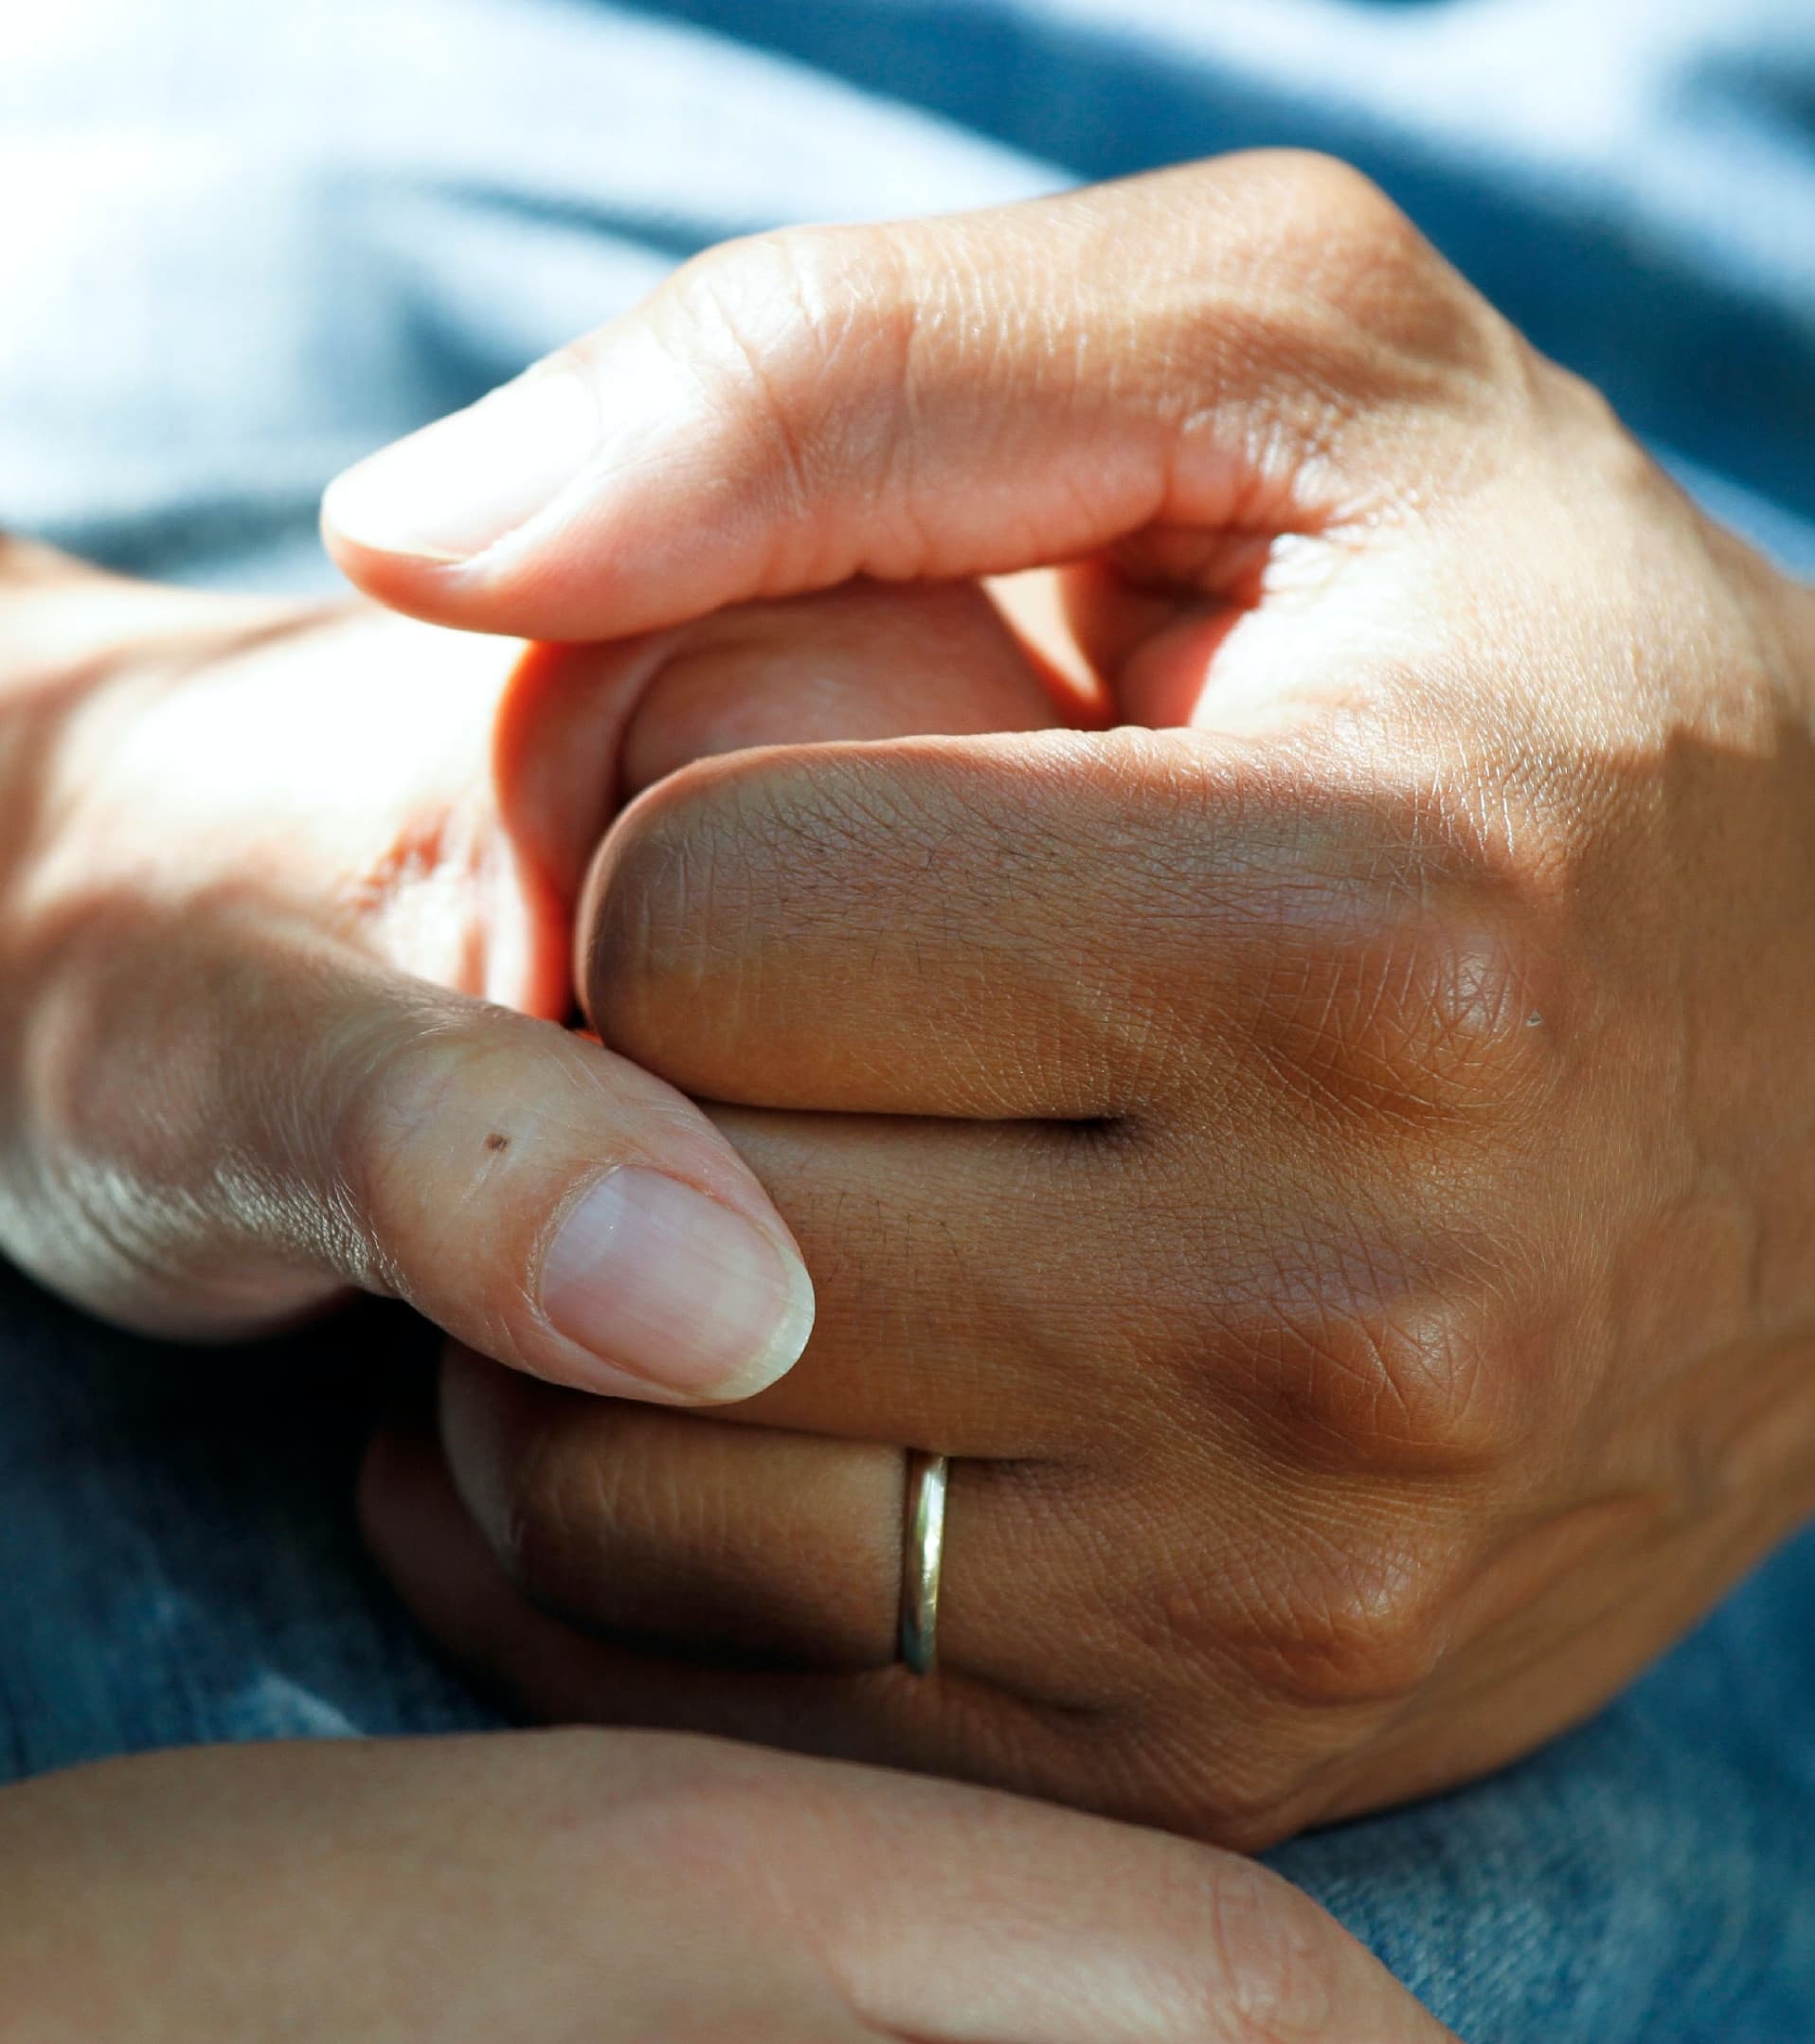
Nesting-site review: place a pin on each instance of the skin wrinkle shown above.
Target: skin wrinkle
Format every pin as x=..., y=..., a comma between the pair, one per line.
x=787, y=283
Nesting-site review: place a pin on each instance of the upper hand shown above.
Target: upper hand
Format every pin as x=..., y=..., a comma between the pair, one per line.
x=1336, y=1169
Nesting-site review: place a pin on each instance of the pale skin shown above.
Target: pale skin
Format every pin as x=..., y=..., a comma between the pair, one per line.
x=584, y=1888
x=1333, y=1158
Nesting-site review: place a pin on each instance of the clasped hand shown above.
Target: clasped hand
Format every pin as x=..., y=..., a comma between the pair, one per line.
x=1327, y=1155
x=1302, y=1088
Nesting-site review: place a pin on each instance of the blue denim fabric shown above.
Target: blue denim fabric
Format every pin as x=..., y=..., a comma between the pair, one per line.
x=242, y=245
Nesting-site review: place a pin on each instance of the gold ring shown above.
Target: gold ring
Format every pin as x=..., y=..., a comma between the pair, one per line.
x=922, y=1558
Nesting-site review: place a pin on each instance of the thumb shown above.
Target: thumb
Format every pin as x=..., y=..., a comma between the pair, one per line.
x=1251, y=347
x=246, y=1123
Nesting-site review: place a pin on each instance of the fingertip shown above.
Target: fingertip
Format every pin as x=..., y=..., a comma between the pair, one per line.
x=404, y=583
x=454, y=489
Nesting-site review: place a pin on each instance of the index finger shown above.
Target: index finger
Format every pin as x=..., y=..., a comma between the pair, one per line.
x=1055, y=925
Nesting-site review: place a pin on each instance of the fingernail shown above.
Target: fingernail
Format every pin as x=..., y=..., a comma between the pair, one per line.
x=459, y=486
x=657, y=1279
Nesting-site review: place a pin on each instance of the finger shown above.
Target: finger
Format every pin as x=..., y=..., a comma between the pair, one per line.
x=950, y=1296
x=745, y=1543
x=648, y=1530
x=1252, y=346
x=977, y=1281
x=747, y=1548
x=584, y=727
x=993, y=1290
x=227, y=1120
x=1056, y=925
x=437, y=1557
x=909, y=929
x=860, y=662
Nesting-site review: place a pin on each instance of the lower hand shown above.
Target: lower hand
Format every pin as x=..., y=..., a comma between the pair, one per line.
x=1335, y=1171
x=626, y=1889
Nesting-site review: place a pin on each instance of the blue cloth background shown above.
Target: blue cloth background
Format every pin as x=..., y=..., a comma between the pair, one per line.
x=239, y=246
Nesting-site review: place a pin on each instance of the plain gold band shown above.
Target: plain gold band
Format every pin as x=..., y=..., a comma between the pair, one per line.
x=922, y=1559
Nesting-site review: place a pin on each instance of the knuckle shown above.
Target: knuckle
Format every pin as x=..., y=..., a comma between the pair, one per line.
x=1393, y=955
x=712, y=1815
x=1399, y=1386
x=1430, y=1017
x=799, y=340
x=1368, y=1358
x=1322, y=198
x=1384, y=292
x=785, y=278
x=1365, y=1623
